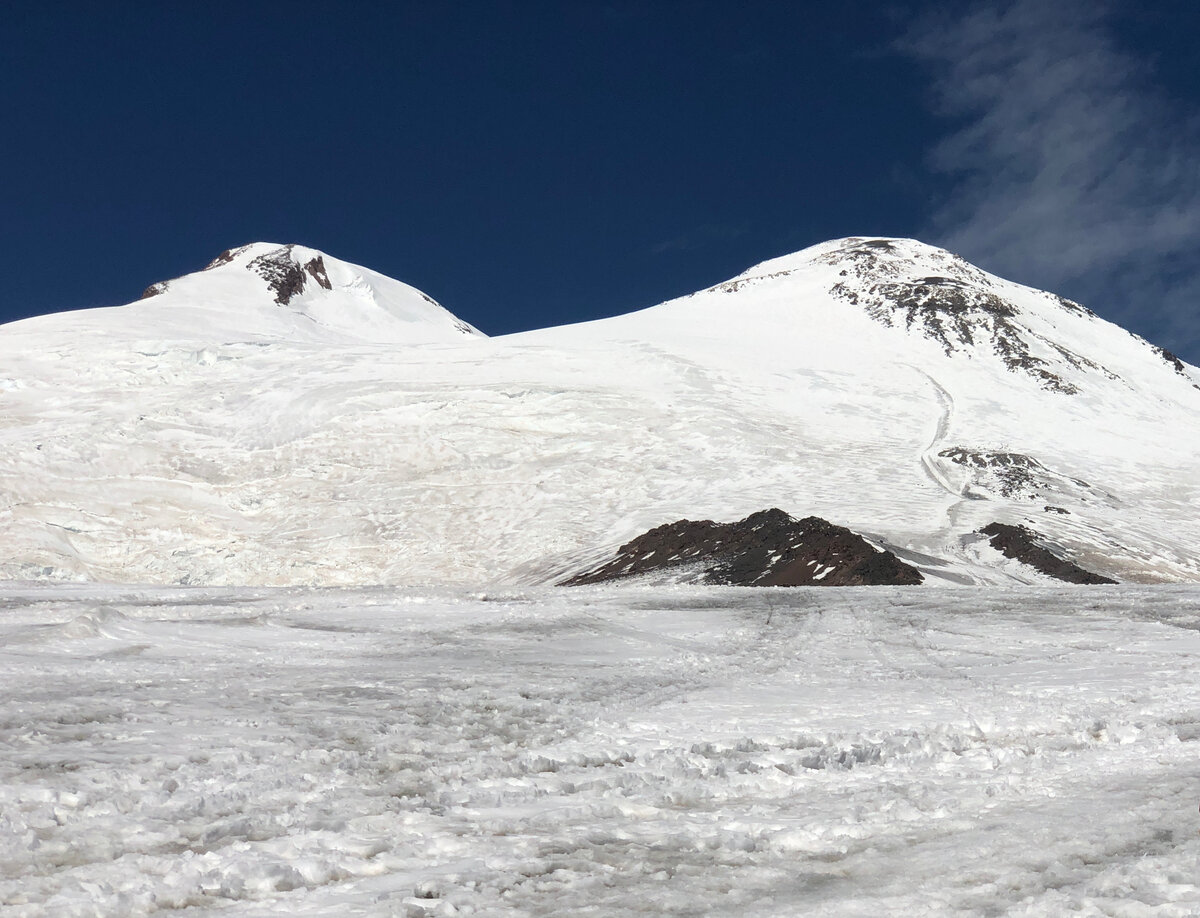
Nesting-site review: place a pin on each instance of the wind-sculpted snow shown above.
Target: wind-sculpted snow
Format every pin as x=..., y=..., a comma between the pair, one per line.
x=869, y=751
x=362, y=434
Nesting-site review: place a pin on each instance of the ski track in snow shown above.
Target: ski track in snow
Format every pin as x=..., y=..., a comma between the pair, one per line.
x=599, y=751
x=929, y=459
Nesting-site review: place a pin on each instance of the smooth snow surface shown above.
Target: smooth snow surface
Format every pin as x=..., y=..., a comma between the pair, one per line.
x=211, y=435
x=687, y=751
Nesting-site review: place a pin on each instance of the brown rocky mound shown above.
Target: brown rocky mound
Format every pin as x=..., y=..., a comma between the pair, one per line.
x=768, y=548
x=285, y=276
x=1023, y=544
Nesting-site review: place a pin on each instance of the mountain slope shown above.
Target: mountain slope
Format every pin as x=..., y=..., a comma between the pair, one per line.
x=882, y=384
x=268, y=292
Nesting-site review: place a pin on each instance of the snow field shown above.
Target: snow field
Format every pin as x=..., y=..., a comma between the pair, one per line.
x=285, y=464
x=599, y=751
x=361, y=435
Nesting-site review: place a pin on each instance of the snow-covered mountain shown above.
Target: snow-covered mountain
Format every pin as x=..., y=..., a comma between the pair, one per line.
x=283, y=417
x=268, y=292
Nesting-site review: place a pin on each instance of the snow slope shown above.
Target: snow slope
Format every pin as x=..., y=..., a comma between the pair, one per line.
x=264, y=292
x=212, y=435
x=700, y=751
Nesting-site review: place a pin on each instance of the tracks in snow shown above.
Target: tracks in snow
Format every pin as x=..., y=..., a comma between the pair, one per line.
x=929, y=458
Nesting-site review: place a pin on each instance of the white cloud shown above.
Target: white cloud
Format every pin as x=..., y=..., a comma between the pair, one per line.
x=1069, y=171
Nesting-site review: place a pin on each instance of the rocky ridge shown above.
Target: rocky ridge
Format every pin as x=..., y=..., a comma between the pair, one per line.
x=768, y=548
x=285, y=275
x=1005, y=474
x=1023, y=544
x=283, y=272
x=957, y=308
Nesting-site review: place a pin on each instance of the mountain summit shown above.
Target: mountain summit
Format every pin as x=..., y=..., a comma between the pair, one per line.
x=278, y=418
x=266, y=291
x=874, y=300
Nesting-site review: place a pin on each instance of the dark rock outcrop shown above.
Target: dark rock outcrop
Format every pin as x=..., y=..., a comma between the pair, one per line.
x=316, y=270
x=768, y=548
x=225, y=258
x=1175, y=363
x=1023, y=544
x=1016, y=476
x=958, y=307
x=283, y=275
x=1014, y=473
x=154, y=290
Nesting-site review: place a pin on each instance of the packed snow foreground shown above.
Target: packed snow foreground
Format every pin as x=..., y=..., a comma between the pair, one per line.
x=266, y=731
x=602, y=751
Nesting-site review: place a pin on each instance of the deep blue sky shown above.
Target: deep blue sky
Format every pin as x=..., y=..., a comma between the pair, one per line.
x=534, y=163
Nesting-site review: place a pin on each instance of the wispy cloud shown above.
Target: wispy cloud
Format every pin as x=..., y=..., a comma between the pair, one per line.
x=1068, y=169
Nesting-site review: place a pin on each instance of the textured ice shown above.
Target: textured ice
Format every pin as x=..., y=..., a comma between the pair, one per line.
x=686, y=751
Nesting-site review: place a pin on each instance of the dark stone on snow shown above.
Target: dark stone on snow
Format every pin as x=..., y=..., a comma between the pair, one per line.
x=1015, y=473
x=1023, y=544
x=316, y=269
x=154, y=290
x=280, y=271
x=958, y=307
x=224, y=258
x=768, y=548
x=286, y=276
x=279, y=268
x=1171, y=359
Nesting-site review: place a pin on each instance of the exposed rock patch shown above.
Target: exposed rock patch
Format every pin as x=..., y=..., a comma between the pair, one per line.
x=279, y=268
x=1171, y=359
x=768, y=548
x=1071, y=305
x=1023, y=544
x=957, y=307
x=154, y=290
x=225, y=258
x=999, y=473
x=282, y=274
x=1011, y=474
x=285, y=275
x=733, y=286
x=316, y=270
